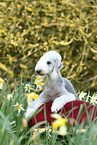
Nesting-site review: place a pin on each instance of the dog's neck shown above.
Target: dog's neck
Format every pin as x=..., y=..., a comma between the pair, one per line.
x=53, y=78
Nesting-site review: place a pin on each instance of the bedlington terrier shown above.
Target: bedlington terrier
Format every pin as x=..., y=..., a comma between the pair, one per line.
x=57, y=89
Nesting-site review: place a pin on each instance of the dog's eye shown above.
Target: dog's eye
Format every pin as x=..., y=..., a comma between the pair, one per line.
x=48, y=62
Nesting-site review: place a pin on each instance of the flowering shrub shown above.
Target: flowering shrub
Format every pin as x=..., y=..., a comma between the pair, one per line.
x=28, y=29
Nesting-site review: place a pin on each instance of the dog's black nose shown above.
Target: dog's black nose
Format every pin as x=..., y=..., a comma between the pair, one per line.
x=38, y=71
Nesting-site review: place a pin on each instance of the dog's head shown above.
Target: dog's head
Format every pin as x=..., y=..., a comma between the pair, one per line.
x=48, y=62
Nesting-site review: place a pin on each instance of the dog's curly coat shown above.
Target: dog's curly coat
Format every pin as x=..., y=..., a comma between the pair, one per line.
x=57, y=89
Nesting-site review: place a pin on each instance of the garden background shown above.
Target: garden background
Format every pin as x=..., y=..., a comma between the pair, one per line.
x=28, y=29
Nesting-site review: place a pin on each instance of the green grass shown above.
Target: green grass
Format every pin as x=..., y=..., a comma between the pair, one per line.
x=13, y=132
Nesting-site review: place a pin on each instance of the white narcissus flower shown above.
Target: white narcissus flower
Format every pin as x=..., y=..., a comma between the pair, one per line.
x=94, y=99
x=38, y=82
x=28, y=87
x=39, y=78
x=19, y=107
x=1, y=83
x=9, y=96
x=39, y=85
x=81, y=95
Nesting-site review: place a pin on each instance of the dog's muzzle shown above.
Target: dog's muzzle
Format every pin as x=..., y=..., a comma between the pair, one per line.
x=38, y=71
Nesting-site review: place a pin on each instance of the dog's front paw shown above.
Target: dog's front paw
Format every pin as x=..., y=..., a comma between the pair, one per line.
x=57, y=104
x=54, y=108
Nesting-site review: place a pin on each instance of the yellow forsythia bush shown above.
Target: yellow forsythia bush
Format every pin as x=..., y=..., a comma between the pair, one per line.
x=28, y=29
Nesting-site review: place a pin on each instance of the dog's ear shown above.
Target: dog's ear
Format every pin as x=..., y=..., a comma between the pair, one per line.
x=58, y=64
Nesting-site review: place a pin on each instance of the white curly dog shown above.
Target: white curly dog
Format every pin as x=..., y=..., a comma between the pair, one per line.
x=57, y=89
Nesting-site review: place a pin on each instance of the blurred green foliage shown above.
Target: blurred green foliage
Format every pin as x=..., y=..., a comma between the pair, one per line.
x=28, y=29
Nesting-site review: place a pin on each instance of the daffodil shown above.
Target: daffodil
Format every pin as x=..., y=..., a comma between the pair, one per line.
x=9, y=96
x=19, y=107
x=28, y=88
x=94, y=99
x=1, y=83
x=31, y=96
x=59, y=123
x=38, y=82
x=81, y=95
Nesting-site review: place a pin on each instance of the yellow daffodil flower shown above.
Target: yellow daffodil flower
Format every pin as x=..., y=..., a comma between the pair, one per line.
x=59, y=123
x=31, y=97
